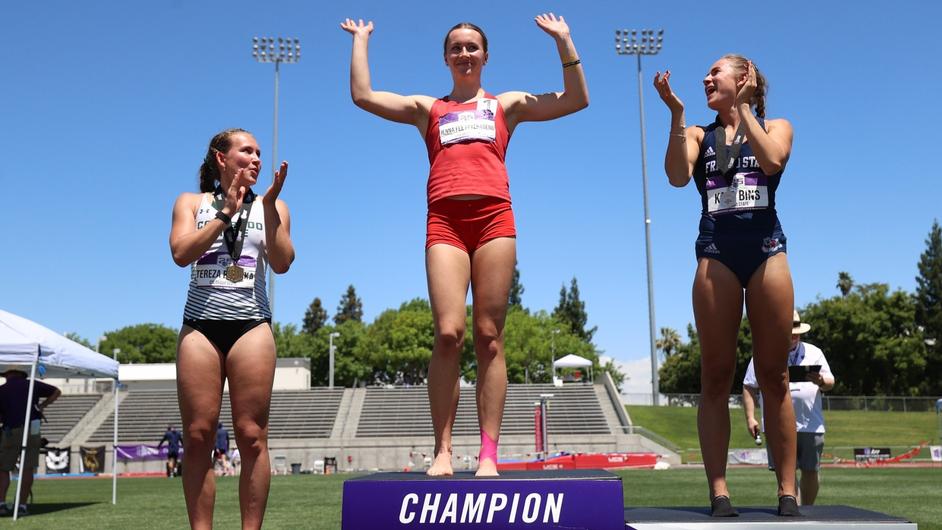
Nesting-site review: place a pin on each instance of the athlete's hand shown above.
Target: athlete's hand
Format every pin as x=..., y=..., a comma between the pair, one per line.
x=747, y=86
x=663, y=87
x=277, y=183
x=357, y=29
x=555, y=27
x=236, y=192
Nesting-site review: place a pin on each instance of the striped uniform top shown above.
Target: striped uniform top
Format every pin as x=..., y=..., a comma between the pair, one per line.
x=213, y=297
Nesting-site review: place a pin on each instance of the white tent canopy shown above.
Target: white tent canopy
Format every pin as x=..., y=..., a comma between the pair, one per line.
x=572, y=361
x=21, y=338
x=28, y=346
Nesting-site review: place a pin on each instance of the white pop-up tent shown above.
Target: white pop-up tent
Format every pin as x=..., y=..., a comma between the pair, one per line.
x=572, y=361
x=30, y=347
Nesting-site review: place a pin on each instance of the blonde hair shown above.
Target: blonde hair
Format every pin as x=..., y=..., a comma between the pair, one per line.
x=740, y=64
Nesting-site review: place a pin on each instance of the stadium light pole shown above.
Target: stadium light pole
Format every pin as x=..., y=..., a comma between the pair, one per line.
x=627, y=42
x=275, y=50
x=330, y=369
x=114, y=448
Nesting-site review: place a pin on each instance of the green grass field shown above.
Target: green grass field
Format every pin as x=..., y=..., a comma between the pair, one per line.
x=845, y=429
x=307, y=501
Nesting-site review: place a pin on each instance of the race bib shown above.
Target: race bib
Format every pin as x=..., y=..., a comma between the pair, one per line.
x=466, y=125
x=746, y=191
x=210, y=271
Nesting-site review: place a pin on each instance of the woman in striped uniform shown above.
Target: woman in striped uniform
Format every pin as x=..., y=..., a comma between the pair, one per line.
x=229, y=236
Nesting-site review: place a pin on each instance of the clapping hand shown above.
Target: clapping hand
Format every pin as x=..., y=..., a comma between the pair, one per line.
x=663, y=87
x=277, y=183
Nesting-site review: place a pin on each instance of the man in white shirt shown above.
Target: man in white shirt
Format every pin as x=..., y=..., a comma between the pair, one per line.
x=806, y=399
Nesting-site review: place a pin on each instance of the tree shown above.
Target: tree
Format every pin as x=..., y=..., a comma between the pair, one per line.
x=571, y=313
x=669, y=343
x=872, y=342
x=142, y=343
x=79, y=339
x=845, y=283
x=314, y=318
x=397, y=346
x=516, y=289
x=350, y=307
x=929, y=303
x=680, y=373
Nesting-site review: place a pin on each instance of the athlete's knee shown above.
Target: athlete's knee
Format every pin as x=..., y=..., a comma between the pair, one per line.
x=488, y=340
x=715, y=384
x=772, y=377
x=251, y=437
x=199, y=435
x=449, y=338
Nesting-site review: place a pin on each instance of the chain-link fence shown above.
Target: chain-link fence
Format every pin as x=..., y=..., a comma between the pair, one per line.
x=874, y=403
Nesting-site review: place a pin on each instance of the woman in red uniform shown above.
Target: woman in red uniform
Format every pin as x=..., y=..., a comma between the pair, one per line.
x=471, y=235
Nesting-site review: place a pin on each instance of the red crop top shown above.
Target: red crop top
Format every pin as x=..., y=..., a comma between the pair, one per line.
x=466, y=144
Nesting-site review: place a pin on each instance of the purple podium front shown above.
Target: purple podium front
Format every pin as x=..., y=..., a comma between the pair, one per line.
x=570, y=499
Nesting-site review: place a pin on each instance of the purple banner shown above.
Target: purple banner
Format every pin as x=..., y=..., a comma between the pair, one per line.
x=546, y=499
x=142, y=452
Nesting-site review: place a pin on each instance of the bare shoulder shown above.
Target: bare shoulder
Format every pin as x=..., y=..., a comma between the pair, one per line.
x=188, y=201
x=780, y=124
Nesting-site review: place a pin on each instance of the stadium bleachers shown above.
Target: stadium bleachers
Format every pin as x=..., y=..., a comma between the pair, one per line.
x=573, y=409
x=143, y=415
x=65, y=413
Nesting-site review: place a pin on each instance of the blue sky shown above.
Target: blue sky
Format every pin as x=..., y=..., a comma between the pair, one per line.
x=106, y=109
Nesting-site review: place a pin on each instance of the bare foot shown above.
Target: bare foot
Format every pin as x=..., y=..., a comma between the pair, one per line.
x=486, y=468
x=441, y=467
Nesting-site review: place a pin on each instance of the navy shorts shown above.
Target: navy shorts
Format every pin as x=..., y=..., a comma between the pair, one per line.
x=742, y=245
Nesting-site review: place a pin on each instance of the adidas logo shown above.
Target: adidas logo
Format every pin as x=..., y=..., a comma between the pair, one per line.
x=710, y=151
x=711, y=249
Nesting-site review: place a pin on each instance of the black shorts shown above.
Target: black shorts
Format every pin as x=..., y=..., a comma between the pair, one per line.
x=224, y=333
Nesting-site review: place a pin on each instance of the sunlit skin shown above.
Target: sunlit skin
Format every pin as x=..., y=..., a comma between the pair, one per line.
x=718, y=296
x=451, y=271
x=249, y=367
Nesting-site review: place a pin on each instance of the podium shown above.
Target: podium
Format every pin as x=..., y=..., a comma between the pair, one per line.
x=559, y=499
x=764, y=518
x=516, y=499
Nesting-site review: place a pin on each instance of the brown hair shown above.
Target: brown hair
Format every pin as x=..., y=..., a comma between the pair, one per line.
x=740, y=64
x=465, y=25
x=209, y=171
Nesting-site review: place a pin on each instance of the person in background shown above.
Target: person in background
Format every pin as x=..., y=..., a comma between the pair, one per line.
x=14, y=394
x=173, y=439
x=222, y=448
x=807, y=402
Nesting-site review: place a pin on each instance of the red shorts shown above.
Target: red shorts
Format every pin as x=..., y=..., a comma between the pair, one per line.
x=469, y=224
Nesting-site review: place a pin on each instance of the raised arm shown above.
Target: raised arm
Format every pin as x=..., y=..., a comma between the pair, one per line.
x=522, y=106
x=394, y=107
x=771, y=146
x=278, y=244
x=683, y=144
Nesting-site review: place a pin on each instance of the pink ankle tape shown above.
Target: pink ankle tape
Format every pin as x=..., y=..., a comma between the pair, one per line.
x=488, y=448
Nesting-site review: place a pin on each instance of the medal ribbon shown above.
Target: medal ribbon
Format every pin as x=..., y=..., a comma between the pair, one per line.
x=726, y=155
x=234, y=243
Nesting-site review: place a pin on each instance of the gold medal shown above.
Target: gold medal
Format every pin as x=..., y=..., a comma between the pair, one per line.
x=235, y=273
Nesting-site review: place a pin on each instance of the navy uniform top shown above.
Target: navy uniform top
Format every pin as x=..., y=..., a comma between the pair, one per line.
x=744, y=194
